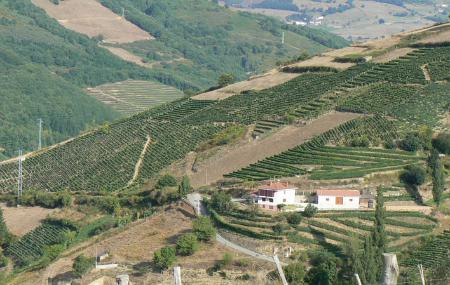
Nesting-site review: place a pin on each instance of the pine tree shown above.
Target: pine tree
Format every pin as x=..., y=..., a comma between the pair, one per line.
x=437, y=174
x=379, y=233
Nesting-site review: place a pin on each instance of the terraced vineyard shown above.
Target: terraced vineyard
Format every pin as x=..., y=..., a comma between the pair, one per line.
x=31, y=247
x=330, y=230
x=331, y=162
x=431, y=253
x=106, y=158
x=410, y=104
x=134, y=96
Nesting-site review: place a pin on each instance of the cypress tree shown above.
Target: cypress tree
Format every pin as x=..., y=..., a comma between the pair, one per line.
x=437, y=174
x=379, y=233
x=185, y=187
x=369, y=276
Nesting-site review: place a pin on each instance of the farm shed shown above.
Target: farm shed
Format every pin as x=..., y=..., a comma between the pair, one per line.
x=337, y=199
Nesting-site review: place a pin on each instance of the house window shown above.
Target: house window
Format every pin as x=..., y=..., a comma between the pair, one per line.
x=271, y=207
x=351, y=200
x=327, y=199
x=264, y=199
x=284, y=200
x=263, y=206
x=271, y=200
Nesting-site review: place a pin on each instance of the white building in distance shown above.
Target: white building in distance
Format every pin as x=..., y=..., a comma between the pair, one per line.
x=337, y=199
x=272, y=194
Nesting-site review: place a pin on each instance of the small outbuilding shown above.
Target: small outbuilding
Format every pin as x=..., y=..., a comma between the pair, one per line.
x=337, y=199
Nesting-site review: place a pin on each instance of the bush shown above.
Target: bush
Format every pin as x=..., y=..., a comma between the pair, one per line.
x=166, y=181
x=203, y=229
x=360, y=142
x=187, y=244
x=164, y=257
x=310, y=211
x=295, y=273
x=411, y=143
x=278, y=229
x=442, y=143
x=225, y=79
x=221, y=202
x=413, y=175
x=294, y=218
x=390, y=144
x=82, y=264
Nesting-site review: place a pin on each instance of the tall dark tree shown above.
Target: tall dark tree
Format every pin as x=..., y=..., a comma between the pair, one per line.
x=185, y=187
x=437, y=175
x=379, y=233
x=369, y=275
x=355, y=258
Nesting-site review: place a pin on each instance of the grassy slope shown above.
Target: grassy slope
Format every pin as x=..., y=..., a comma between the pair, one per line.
x=212, y=40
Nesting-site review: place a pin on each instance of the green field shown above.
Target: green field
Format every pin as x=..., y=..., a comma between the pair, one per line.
x=134, y=96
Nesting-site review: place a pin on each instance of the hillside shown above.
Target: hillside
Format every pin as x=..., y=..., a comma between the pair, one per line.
x=37, y=49
x=107, y=158
x=354, y=118
x=356, y=20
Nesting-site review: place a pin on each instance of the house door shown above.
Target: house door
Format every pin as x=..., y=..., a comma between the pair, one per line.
x=339, y=200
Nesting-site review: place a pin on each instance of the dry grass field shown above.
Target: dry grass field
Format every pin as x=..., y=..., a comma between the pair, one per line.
x=21, y=220
x=89, y=17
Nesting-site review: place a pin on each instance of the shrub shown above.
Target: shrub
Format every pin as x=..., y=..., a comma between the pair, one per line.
x=411, y=143
x=442, y=143
x=166, y=181
x=294, y=218
x=164, y=257
x=310, y=211
x=225, y=79
x=360, y=142
x=203, y=229
x=187, y=244
x=278, y=229
x=221, y=202
x=413, y=175
x=390, y=144
x=295, y=273
x=82, y=264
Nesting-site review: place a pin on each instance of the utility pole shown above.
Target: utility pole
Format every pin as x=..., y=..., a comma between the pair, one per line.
x=177, y=275
x=40, y=134
x=20, y=178
x=391, y=270
x=422, y=276
x=358, y=280
x=282, y=38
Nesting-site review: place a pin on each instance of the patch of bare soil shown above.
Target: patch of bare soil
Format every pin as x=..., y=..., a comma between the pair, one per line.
x=21, y=220
x=345, y=51
x=241, y=155
x=392, y=55
x=437, y=37
x=323, y=60
x=89, y=17
x=402, y=208
x=270, y=79
x=127, y=56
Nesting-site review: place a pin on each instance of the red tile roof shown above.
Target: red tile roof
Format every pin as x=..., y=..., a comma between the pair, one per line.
x=330, y=192
x=272, y=185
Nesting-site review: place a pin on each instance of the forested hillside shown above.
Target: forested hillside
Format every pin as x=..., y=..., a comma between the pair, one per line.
x=45, y=67
x=43, y=70
x=199, y=40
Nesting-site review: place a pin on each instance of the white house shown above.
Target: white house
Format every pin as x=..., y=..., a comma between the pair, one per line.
x=272, y=194
x=337, y=199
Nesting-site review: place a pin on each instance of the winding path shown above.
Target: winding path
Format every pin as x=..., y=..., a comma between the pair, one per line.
x=194, y=200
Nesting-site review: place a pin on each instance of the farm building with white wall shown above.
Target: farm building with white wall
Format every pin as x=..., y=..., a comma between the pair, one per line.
x=337, y=199
x=272, y=194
